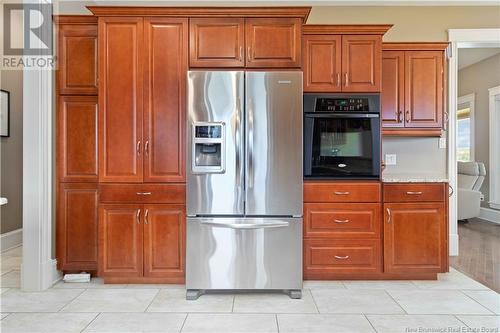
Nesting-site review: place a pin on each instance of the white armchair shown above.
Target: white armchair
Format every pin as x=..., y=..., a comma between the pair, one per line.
x=470, y=178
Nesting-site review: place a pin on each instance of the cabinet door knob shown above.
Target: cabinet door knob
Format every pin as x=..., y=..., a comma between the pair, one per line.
x=400, y=113
x=407, y=116
x=341, y=257
x=146, y=147
x=138, y=147
x=338, y=80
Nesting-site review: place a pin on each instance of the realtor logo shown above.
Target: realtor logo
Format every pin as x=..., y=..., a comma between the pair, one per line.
x=37, y=29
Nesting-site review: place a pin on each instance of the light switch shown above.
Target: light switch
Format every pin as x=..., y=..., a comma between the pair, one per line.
x=390, y=159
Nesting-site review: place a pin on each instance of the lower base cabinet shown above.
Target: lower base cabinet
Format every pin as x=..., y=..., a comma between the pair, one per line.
x=142, y=241
x=414, y=237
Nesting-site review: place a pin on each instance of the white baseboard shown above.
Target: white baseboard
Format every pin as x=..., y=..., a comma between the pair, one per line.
x=48, y=277
x=453, y=245
x=11, y=239
x=491, y=215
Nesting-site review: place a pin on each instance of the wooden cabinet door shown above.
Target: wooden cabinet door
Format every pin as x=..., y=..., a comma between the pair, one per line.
x=77, y=55
x=217, y=42
x=120, y=99
x=361, y=63
x=164, y=241
x=414, y=237
x=392, y=96
x=424, y=89
x=322, y=63
x=165, y=70
x=77, y=138
x=273, y=42
x=77, y=227
x=120, y=240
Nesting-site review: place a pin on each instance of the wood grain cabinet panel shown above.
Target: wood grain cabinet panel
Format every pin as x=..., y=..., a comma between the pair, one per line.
x=76, y=230
x=415, y=237
x=392, y=96
x=341, y=192
x=77, y=139
x=120, y=99
x=218, y=42
x=164, y=245
x=273, y=42
x=424, y=89
x=165, y=68
x=322, y=63
x=77, y=59
x=120, y=240
x=361, y=63
x=415, y=192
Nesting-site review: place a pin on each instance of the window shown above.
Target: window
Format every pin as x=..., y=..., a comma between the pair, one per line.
x=465, y=128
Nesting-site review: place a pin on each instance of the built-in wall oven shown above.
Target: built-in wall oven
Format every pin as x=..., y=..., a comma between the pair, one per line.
x=342, y=136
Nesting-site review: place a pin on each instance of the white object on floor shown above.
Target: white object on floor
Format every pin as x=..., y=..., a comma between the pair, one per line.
x=3, y=201
x=79, y=278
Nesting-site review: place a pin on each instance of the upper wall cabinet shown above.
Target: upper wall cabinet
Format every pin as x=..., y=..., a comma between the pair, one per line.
x=77, y=55
x=251, y=42
x=413, y=88
x=143, y=68
x=343, y=58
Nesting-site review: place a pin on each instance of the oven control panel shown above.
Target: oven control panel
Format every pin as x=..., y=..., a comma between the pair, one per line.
x=329, y=104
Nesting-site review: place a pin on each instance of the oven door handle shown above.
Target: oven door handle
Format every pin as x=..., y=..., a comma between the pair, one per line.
x=342, y=115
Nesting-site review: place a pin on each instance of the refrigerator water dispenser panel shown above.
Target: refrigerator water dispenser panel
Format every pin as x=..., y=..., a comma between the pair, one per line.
x=208, y=147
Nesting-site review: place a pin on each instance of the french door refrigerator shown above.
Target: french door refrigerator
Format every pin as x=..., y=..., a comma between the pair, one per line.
x=244, y=181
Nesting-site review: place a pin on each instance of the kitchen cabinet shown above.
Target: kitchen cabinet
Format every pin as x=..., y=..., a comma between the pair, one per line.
x=343, y=58
x=77, y=55
x=415, y=228
x=413, y=88
x=216, y=42
x=77, y=138
x=142, y=241
x=76, y=231
x=245, y=42
x=142, y=99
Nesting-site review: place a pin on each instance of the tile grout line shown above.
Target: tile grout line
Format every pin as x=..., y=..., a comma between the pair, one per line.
x=491, y=312
x=184, y=322
x=314, y=300
x=65, y=305
x=86, y=326
x=152, y=300
x=277, y=323
x=232, y=307
x=366, y=317
x=395, y=301
x=456, y=316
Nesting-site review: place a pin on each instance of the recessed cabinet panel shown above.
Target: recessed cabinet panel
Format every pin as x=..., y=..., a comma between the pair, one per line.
x=361, y=62
x=322, y=63
x=77, y=59
x=273, y=42
x=424, y=88
x=77, y=138
x=77, y=227
x=120, y=99
x=164, y=236
x=217, y=42
x=120, y=245
x=165, y=68
x=392, y=96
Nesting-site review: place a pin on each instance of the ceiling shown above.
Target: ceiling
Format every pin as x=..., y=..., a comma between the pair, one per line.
x=467, y=57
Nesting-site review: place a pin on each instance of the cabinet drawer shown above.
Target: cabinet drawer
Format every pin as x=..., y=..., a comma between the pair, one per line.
x=351, y=220
x=143, y=193
x=341, y=256
x=414, y=192
x=341, y=192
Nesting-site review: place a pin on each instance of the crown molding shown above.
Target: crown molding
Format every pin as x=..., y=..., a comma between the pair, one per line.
x=418, y=46
x=350, y=29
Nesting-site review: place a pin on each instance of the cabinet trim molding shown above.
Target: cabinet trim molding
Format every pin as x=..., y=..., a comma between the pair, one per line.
x=346, y=29
x=415, y=46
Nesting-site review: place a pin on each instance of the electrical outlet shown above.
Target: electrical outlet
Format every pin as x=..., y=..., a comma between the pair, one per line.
x=442, y=143
x=390, y=159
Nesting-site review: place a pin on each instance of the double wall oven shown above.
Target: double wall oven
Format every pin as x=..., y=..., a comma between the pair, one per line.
x=342, y=136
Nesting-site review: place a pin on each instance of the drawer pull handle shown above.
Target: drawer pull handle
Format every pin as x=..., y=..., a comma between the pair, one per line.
x=143, y=193
x=414, y=193
x=341, y=257
x=341, y=193
x=341, y=221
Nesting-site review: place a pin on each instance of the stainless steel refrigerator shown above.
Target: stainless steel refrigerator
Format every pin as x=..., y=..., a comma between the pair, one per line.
x=244, y=181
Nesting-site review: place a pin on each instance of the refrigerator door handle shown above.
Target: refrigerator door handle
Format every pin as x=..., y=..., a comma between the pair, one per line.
x=246, y=225
x=250, y=129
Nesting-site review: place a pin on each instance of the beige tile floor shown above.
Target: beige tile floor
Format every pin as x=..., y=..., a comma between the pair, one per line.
x=453, y=303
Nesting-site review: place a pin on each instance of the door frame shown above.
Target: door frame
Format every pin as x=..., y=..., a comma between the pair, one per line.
x=460, y=38
x=494, y=119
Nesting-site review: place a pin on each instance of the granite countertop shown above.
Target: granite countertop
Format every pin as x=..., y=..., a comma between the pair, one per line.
x=414, y=178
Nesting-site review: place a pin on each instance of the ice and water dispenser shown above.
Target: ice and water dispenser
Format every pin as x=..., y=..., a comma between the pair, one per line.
x=208, y=147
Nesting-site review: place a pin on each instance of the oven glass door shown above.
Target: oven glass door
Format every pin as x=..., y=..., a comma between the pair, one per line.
x=342, y=145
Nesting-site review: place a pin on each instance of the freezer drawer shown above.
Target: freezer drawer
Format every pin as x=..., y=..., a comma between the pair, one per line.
x=244, y=253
